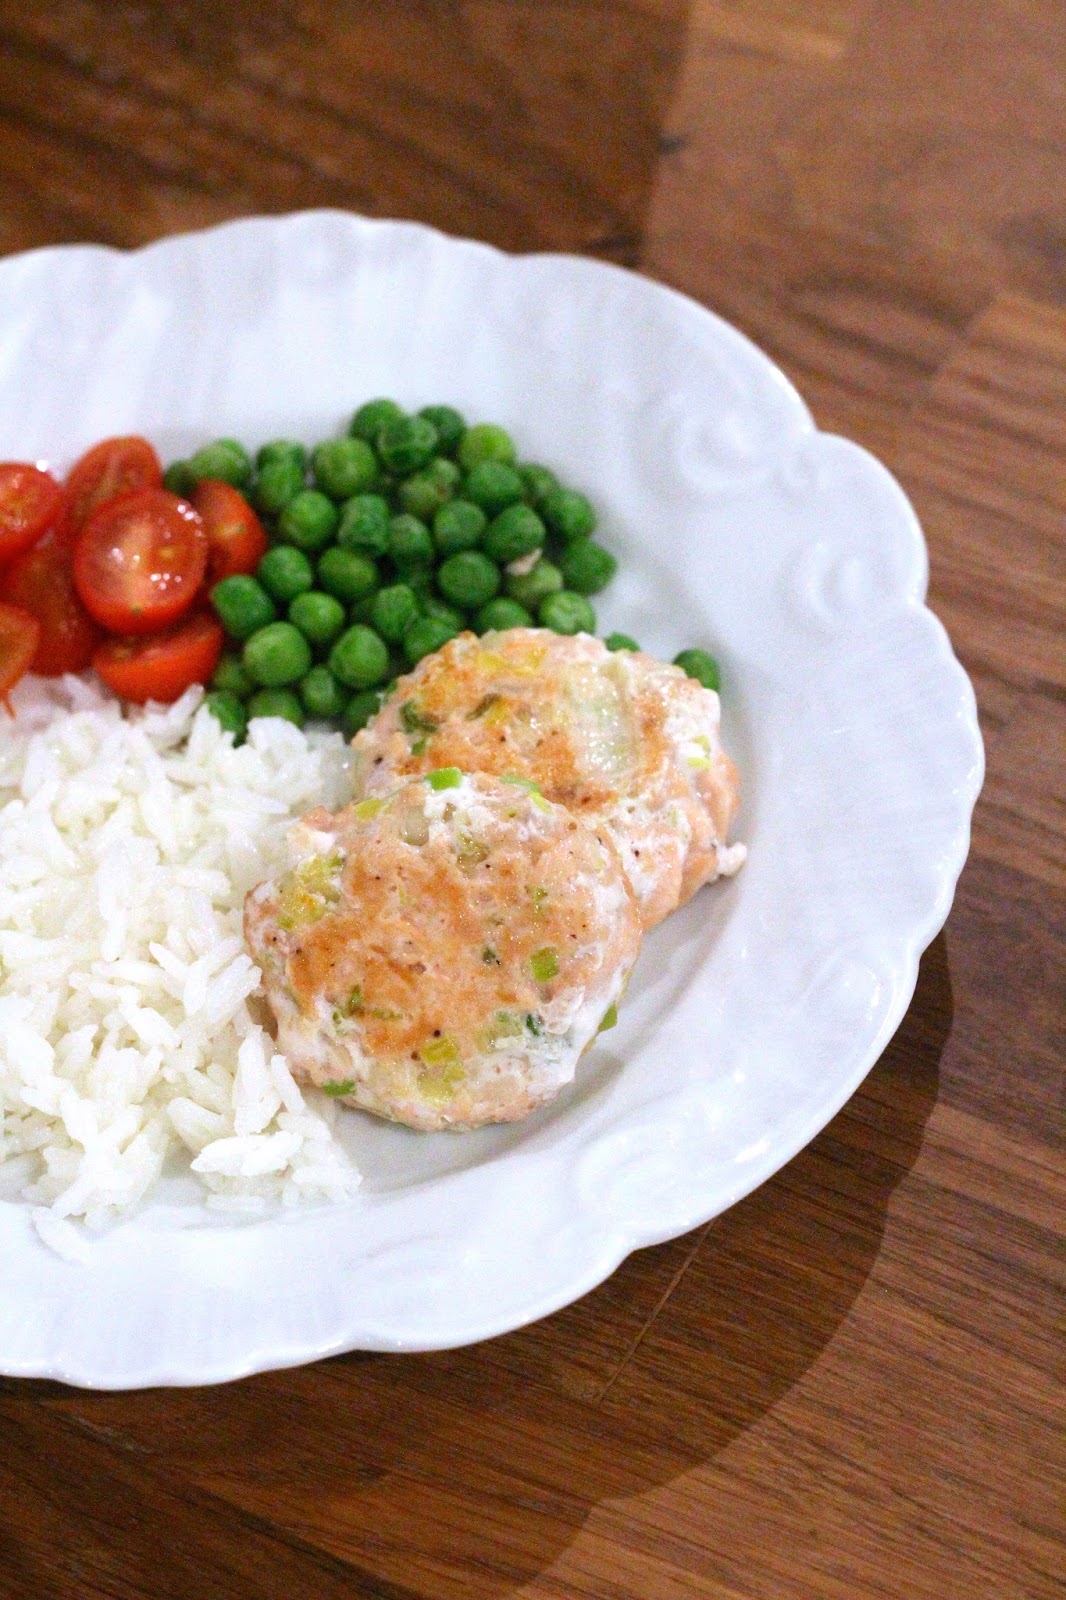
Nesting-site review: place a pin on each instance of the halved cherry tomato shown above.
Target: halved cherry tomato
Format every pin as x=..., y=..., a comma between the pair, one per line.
x=139, y=561
x=19, y=633
x=31, y=502
x=161, y=666
x=234, y=532
x=111, y=468
x=41, y=582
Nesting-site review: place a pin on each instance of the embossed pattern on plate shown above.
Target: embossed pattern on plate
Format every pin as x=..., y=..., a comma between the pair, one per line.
x=759, y=1007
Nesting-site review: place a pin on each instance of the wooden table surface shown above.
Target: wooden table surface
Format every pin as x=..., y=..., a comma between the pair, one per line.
x=849, y=1385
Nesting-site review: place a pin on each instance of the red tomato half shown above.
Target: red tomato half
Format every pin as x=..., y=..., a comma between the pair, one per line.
x=139, y=561
x=41, y=582
x=19, y=633
x=161, y=666
x=31, y=502
x=111, y=468
x=234, y=532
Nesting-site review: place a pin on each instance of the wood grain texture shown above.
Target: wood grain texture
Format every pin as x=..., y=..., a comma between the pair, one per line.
x=500, y=118
x=984, y=460
x=849, y=1387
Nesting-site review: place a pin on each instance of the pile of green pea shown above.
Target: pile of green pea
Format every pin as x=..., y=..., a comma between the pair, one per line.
x=385, y=544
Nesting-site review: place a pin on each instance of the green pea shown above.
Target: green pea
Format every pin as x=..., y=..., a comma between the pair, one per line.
x=347, y=574
x=469, y=579
x=410, y=542
x=406, y=444
x=539, y=483
x=450, y=426
x=458, y=526
x=343, y=467
x=500, y=614
x=364, y=524
x=702, y=666
x=428, y=490
x=492, y=485
x=321, y=694
x=441, y=611
x=319, y=617
x=278, y=483
x=372, y=417
x=421, y=497
x=281, y=450
x=586, y=566
x=516, y=532
x=179, y=479
x=285, y=572
x=230, y=677
x=393, y=609
x=568, y=514
x=486, y=442
x=309, y=521
x=225, y=459
x=276, y=703
x=227, y=709
x=567, y=612
x=621, y=641
x=363, y=610
x=359, y=710
x=277, y=655
x=424, y=635
x=360, y=658
x=243, y=605
x=530, y=588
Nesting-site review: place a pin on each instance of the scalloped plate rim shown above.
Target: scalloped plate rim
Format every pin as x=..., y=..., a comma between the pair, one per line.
x=614, y=1244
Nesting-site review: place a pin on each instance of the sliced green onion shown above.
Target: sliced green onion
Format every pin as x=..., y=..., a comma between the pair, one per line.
x=414, y=720
x=544, y=964
x=610, y=1017
x=365, y=810
x=444, y=778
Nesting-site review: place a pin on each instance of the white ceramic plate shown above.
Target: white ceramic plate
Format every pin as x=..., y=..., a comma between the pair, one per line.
x=757, y=1010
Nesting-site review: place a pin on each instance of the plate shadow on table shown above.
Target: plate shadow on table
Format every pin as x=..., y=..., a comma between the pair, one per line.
x=469, y=1472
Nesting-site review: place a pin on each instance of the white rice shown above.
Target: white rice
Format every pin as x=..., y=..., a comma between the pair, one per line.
x=128, y=1025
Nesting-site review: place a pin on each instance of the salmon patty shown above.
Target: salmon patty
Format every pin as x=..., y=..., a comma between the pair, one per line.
x=443, y=954
x=628, y=744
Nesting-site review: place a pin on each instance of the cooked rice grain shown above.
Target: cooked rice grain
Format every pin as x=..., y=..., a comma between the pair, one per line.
x=127, y=1024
